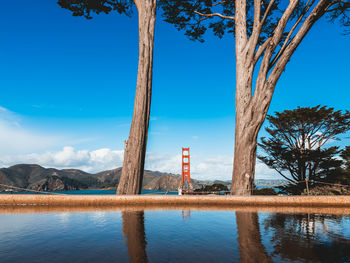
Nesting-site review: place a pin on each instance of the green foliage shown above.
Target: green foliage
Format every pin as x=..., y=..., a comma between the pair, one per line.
x=89, y=181
x=189, y=15
x=264, y=191
x=328, y=190
x=343, y=174
x=345, y=154
x=108, y=184
x=73, y=183
x=213, y=188
x=84, y=182
x=68, y=182
x=183, y=14
x=86, y=7
x=296, y=145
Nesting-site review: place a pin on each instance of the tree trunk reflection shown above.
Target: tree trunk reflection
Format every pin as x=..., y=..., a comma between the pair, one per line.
x=249, y=238
x=134, y=232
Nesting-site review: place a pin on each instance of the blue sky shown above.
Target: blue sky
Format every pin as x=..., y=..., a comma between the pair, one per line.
x=70, y=82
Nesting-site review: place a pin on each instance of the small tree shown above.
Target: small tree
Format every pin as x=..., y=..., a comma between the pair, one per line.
x=135, y=147
x=267, y=33
x=296, y=145
x=345, y=154
x=343, y=176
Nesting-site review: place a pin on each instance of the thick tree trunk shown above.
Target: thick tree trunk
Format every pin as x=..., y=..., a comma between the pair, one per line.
x=249, y=118
x=248, y=123
x=251, y=110
x=134, y=232
x=244, y=163
x=249, y=238
x=135, y=147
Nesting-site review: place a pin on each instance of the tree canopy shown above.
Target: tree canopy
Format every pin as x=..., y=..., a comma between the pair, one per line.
x=345, y=154
x=197, y=17
x=296, y=146
x=343, y=177
x=87, y=7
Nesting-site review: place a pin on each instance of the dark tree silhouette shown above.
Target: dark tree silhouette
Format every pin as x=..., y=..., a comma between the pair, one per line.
x=267, y=33
x=296, y=237
x=345, y=154
x=135, y=147
x=343, y=176
x=296, y=145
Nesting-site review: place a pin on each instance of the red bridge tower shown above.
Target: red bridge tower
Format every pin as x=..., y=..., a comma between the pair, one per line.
x=185, y=173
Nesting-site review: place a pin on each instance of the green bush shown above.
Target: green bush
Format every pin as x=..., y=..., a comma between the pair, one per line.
x=264, y=191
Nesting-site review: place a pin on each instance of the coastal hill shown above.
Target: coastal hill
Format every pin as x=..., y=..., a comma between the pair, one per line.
x=36, y=177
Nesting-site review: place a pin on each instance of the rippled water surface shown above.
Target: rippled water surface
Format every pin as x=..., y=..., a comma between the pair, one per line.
x=173, y=236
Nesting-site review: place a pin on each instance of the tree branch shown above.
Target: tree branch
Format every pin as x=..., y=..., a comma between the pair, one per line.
x=261, y=50
x=274, y=60
x=240, y=27
x=257, y=12
x=317, y=12
x=259, y=95
x=284, y=176
x=257, y=27
x=268, y=9
x=214, y=14
x=218, y=3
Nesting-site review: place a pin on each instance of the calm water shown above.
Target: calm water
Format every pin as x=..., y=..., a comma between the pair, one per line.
x=98, y=192
x=173, y=236
x=112, y=192
x=109, y=192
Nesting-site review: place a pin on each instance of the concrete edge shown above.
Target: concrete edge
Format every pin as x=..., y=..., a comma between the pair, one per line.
x=154, y=200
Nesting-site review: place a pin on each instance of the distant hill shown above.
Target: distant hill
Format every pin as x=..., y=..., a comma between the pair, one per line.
x=36, y=177
x=270, y=182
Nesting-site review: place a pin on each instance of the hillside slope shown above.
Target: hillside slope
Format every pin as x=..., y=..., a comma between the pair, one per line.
x=36, y=177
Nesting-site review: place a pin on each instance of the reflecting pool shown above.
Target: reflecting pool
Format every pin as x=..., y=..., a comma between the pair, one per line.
x=184, y=235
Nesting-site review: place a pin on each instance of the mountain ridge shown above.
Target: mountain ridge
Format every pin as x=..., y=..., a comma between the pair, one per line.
x=38, y=178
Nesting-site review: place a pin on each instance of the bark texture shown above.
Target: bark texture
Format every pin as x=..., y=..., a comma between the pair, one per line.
x=134, y=232
x=251, y=109
x=249, y=239
x=135, y=147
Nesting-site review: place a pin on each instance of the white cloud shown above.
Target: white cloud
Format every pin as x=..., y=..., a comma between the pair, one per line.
x=163, y=163
x=211, y=168
x=68, y=157
x=19, y=144
x=262, y=171
x=214, y=168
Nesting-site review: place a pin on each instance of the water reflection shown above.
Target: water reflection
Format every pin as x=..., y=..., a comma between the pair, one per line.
x=186, y=215
x=295, y=237
x=249, y=238
x=183, y=235
x=134, y=232
x=308, y=237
